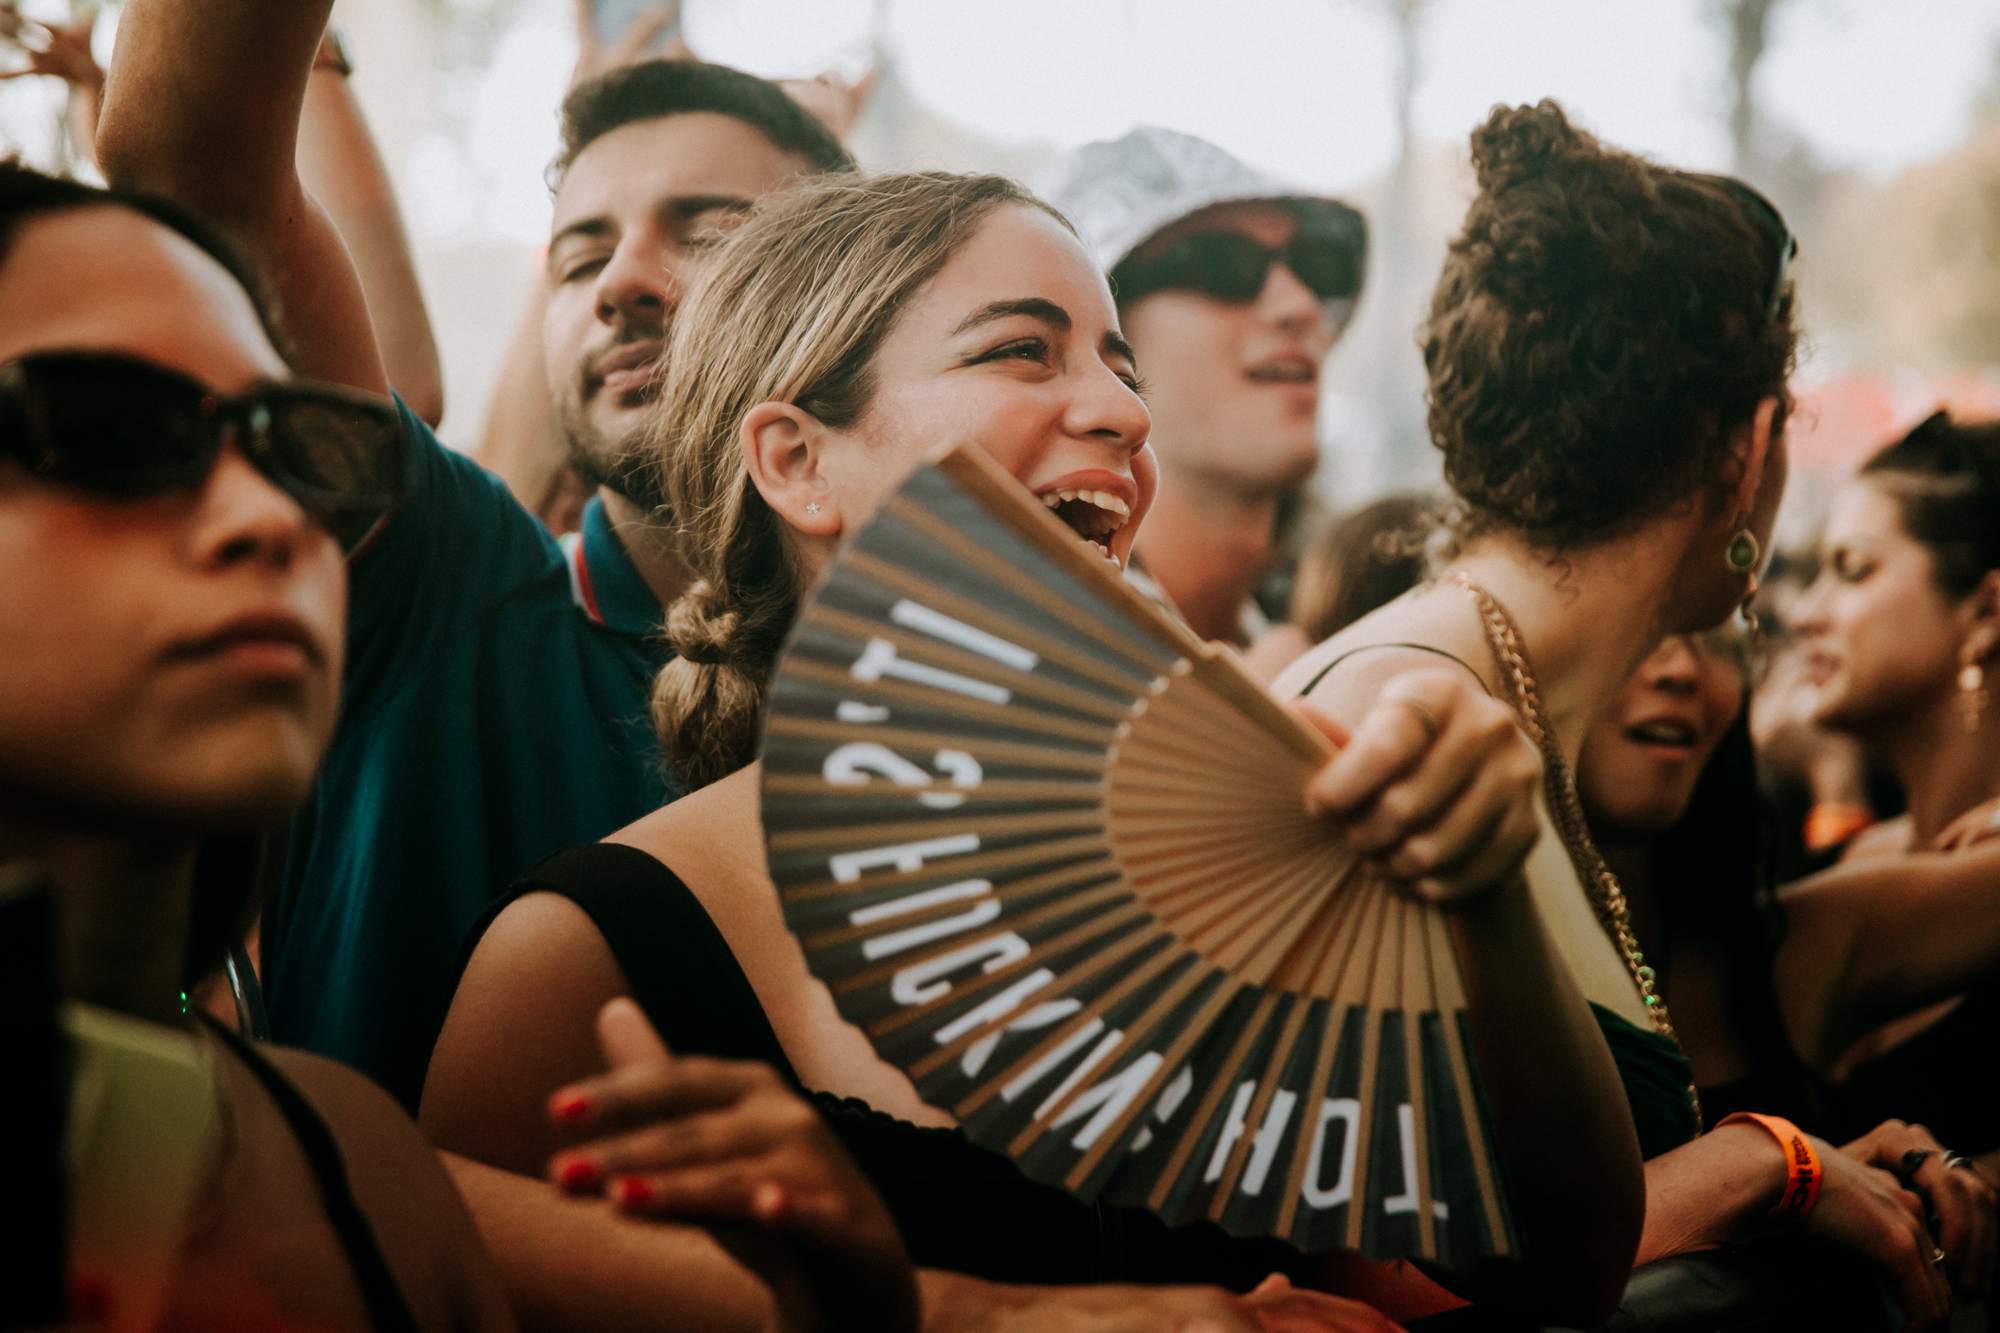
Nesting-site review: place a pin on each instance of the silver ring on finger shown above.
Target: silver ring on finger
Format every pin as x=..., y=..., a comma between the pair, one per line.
x=1937, y=1257
x=1957, y=1161
x=1432, y=727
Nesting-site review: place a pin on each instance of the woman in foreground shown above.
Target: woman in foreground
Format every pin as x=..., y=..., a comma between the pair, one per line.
x=843, y=331
x=1608, y=349
x=172, y=615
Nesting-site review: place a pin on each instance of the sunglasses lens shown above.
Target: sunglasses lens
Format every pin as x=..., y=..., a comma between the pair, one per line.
x=1331, y=268
x=1225, y=265
x=116, y=428
x=345, y=462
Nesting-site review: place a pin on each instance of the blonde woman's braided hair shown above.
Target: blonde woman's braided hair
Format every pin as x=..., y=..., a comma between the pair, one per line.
x=791, y=309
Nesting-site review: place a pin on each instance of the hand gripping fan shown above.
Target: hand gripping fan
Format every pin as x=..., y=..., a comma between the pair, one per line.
x=1048, y=851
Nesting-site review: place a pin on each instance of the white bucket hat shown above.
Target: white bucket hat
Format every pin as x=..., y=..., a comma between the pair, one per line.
x=1119, y=192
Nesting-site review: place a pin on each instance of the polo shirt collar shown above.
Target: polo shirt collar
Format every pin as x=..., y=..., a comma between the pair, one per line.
x=605, y=584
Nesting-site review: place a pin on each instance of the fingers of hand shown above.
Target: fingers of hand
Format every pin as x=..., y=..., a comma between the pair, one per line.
x=1387, y=744
x=639, y=1094
x=626, y=1036
x=1322, y=722
x=1497, y=800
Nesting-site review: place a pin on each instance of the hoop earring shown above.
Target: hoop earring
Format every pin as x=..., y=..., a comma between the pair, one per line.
x=1743, y=552
x=1971, y=695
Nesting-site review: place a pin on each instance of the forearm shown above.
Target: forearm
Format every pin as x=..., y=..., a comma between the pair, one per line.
x=344, y=173
x=521, y=442
x=571, y=1263
x=204, y=97
x=1714, y=1190
x=1562, y=1128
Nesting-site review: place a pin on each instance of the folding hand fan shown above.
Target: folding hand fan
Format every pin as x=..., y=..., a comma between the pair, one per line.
x=1048, y=850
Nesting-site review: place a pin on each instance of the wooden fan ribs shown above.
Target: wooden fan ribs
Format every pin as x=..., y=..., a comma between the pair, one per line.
x=1049, y=853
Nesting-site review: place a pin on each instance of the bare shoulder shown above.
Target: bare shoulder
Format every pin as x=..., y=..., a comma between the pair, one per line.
x=1891, y=837
x=521, y=1025
x=714, y=840
x=1429, y=629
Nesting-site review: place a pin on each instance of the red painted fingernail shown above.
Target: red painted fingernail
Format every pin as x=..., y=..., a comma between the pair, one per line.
x=577, y=1173
x=568, y=1106
x=631, y=1192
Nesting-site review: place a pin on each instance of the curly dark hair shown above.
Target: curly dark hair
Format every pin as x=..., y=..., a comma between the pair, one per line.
x=1945, y=479
x=1601, y=326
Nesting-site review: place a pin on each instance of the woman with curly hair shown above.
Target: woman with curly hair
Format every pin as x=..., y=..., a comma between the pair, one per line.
x=1608, y=349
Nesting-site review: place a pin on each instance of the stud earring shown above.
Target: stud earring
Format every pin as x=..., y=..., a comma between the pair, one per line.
x=1971, y=694
x=812, y=507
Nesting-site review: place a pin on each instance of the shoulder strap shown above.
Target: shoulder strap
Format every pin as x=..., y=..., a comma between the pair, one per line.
x=1327, y=670
x=387, y=1310
x=681, y=970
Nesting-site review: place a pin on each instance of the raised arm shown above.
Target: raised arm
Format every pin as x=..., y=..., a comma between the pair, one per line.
x=202, y=106
x=344, y=174
x=1870, y=940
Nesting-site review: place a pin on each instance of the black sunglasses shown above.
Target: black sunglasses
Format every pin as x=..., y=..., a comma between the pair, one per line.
x=121, y=428
x=1766, y=216
x=1327, y=256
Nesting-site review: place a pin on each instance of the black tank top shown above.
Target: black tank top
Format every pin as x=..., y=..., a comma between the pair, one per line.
x=387, y=1310
x=959, y=1206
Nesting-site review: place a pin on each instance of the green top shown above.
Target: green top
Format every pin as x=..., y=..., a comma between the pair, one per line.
x=1657, y=1078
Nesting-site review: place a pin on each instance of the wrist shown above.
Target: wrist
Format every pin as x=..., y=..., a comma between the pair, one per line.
x=1793, y=1193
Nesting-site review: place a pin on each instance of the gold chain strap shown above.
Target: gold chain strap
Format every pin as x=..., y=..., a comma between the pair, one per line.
x=1600, y=885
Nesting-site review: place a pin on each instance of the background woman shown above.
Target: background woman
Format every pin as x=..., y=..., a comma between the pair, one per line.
x=1608, y=348
x=844, y=330
x=1913, y=542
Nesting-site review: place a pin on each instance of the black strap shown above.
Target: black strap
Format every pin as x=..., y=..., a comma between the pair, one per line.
x=1326, y=670
x=387, y=1310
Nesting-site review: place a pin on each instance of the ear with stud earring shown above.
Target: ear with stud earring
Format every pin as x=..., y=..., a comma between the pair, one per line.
x=812, y=507
x=1971, y=690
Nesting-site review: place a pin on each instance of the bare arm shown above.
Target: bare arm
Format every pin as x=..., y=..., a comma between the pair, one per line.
x=343, y=172
x=520, y=441
x=1562, y=1126
x=202, y=106
x=1871, y=939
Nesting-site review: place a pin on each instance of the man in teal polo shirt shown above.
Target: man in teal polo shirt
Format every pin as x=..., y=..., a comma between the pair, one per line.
x=494, y=706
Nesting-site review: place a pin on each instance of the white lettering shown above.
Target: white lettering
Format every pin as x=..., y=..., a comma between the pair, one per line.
x=884, y=945
x=852, y=764
x=1032, y=1075
x=1232, y=1130
x=907, y=857
x=1348, y=1112
x=879, y=659
x=917, y=902
x=1111, y=1097
x=920, y=983
x=1264, y=1148
x=1406, y=1202
x=915, y=615
x=1170, y=1102
x=847, y=710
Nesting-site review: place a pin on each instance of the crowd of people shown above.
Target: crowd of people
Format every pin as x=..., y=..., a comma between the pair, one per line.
x=441, y=771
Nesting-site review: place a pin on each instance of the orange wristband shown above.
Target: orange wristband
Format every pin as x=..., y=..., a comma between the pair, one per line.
x=1831, y=823
x=1802, y=1171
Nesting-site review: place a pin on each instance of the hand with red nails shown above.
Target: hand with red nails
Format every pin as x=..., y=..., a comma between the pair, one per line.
x=1435, y=787
x=717, y=1141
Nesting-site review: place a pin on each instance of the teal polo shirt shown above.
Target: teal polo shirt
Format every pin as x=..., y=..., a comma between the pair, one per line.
x=494, y=710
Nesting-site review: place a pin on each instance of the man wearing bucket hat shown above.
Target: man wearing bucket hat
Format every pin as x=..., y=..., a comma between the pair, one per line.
x=1233, y=287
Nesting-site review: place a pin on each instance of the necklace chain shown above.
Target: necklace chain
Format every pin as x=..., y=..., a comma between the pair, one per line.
x=1600, y=884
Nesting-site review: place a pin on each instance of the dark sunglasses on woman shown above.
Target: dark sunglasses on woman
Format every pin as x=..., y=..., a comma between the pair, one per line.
x=1326, y=254
x=120, y=428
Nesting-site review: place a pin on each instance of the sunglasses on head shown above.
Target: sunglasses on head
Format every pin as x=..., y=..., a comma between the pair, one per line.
x=1230, y=266
x=120, y=428
x=1767, y=218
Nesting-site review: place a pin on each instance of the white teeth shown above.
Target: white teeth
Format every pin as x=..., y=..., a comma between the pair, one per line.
x=1103, y=500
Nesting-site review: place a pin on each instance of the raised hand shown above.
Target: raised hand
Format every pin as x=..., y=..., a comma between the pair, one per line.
x=60, y=50
x=715, y=1141
x=1436, y=786
x=595, y=56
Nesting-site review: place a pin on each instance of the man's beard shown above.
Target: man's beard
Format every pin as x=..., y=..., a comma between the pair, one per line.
x=623, y=464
